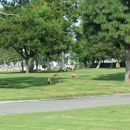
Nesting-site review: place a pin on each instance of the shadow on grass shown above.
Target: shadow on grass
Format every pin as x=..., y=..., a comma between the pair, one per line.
x=25, y=82
x=53, y=71
x=11, y=72
x=46, y=71
x=110, y=77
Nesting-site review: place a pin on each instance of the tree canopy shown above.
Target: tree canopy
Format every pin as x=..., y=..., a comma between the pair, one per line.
x=106, y=25
x=33, y=29
x=35, y=26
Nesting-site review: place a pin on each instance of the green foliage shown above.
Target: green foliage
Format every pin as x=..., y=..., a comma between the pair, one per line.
x=9, y=55
x=106, y=26
x=65, y=13
x=14, y=3
x=34, y=29
x=40, y=26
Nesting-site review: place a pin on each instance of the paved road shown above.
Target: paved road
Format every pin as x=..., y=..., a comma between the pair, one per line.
x=17, y=107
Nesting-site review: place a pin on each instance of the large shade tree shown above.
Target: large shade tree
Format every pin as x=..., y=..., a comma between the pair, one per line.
x=30, y=29
x=107, y=22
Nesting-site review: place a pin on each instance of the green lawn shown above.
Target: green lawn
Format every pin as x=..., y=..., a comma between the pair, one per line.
x=102, y=118
x=87, y=82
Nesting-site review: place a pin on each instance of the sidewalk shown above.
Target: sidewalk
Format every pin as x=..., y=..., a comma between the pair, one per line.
x=31, y=106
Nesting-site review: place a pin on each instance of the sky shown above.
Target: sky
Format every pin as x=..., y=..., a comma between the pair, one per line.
x=1, y=5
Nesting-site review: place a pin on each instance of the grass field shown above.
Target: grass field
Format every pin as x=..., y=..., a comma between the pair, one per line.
x=87, y=82
x=102, y=118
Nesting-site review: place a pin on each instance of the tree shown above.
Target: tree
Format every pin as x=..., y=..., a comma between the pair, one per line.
x=118, y=52
x=66, y=13
x=34, y=29
x=78, y=48
x=107, y=22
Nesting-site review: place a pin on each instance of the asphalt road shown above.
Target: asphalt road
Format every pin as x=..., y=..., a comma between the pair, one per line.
x=32, y=106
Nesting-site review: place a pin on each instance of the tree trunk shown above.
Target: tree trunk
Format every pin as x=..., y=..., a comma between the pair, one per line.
x=5, y=65
x=36, y=65
x=48, y=63
x=30, y=65
x=99, y=63
x=27, y=65
x=77, y=65
x=127, y=62
x=93, y=65
x=117, y=63
x=22, y=65
x=62, y=60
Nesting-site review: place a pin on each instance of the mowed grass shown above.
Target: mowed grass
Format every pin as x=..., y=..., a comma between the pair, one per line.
x=102, y=118
x=87, y=82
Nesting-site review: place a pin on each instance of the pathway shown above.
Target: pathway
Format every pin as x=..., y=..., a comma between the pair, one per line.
x=31, y=106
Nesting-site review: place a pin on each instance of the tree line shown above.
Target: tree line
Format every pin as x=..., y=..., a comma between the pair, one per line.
x=46, y=27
